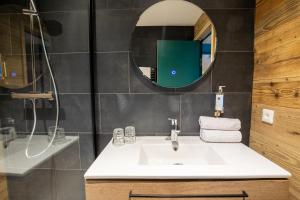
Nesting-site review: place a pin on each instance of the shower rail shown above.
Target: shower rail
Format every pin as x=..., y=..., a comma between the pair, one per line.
x=243, y=196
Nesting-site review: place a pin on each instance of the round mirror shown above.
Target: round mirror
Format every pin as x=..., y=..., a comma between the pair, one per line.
x=173, y=44
x=21, y=60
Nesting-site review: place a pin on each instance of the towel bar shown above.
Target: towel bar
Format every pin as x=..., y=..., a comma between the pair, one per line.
x=243, y=196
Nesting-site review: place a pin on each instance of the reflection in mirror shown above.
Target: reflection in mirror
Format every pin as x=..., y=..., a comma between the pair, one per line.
x=20, y=61
x=174, y=43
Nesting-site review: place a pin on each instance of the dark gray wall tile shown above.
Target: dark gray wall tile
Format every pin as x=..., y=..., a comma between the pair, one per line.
x=68, y=158
x=192, y=106
x=114, y=28
x=72, y=72
x=10, y=108
x=37, y=185
x=69, y=184
x=235, y=29
x=147, y=112
x=102, y=141
x=78, y=113
x=75, y=113
x=113, y=4
x=100, y=4
x=45, y=112
x=47, y=164
x=112, y=72
x=71, y=34
x=87, y=155
x=62, y=5
x=234, y=70
x=144, y=4
x=5, y=6
x=97, y=112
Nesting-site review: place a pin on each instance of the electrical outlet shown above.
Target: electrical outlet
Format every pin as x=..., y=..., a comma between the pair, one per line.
x=268, y=116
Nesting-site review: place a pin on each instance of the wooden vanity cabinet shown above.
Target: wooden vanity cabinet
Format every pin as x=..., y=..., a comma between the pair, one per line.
x=273, y=189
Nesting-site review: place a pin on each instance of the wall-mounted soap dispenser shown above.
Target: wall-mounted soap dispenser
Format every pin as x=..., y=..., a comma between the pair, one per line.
x=219, y=106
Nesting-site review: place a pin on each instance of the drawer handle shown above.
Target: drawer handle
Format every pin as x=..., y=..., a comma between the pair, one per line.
x=243, y=195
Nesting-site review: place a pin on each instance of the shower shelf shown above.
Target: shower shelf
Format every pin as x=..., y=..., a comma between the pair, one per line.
x=48, y=96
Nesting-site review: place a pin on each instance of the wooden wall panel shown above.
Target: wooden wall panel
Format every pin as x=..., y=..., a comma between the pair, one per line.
x=277, y=85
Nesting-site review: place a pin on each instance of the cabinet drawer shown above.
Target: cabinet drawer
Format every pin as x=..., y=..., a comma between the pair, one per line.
x=120, y=190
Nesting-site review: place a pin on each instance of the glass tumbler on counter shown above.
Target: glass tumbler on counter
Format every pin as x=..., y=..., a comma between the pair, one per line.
x=7, y=129
x=60, y=135
x=118, y=137
x=130, y=135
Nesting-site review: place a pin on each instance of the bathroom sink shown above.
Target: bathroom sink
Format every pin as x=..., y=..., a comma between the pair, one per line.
x=163, y=154
x=152, y=157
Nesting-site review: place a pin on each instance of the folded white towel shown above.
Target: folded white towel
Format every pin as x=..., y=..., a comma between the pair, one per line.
x=220, y=136
x=226, y=124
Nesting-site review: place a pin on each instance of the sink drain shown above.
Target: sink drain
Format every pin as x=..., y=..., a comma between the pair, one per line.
x=178, y=164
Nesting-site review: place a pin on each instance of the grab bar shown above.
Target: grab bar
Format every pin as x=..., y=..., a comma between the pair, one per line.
x=243, y=195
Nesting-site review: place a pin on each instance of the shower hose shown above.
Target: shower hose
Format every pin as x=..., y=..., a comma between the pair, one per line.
x=33, y=13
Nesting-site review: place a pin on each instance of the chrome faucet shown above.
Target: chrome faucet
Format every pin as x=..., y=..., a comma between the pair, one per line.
x=174, y=134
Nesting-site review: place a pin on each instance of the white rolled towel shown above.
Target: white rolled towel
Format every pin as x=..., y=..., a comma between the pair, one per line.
x=226, y=124
x=219, y=136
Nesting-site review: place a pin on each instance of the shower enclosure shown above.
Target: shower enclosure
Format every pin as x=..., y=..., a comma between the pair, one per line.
x=40, y=158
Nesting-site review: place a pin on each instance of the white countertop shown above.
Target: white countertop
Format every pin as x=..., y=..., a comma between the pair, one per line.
x=232, y=161
x=13, y=160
